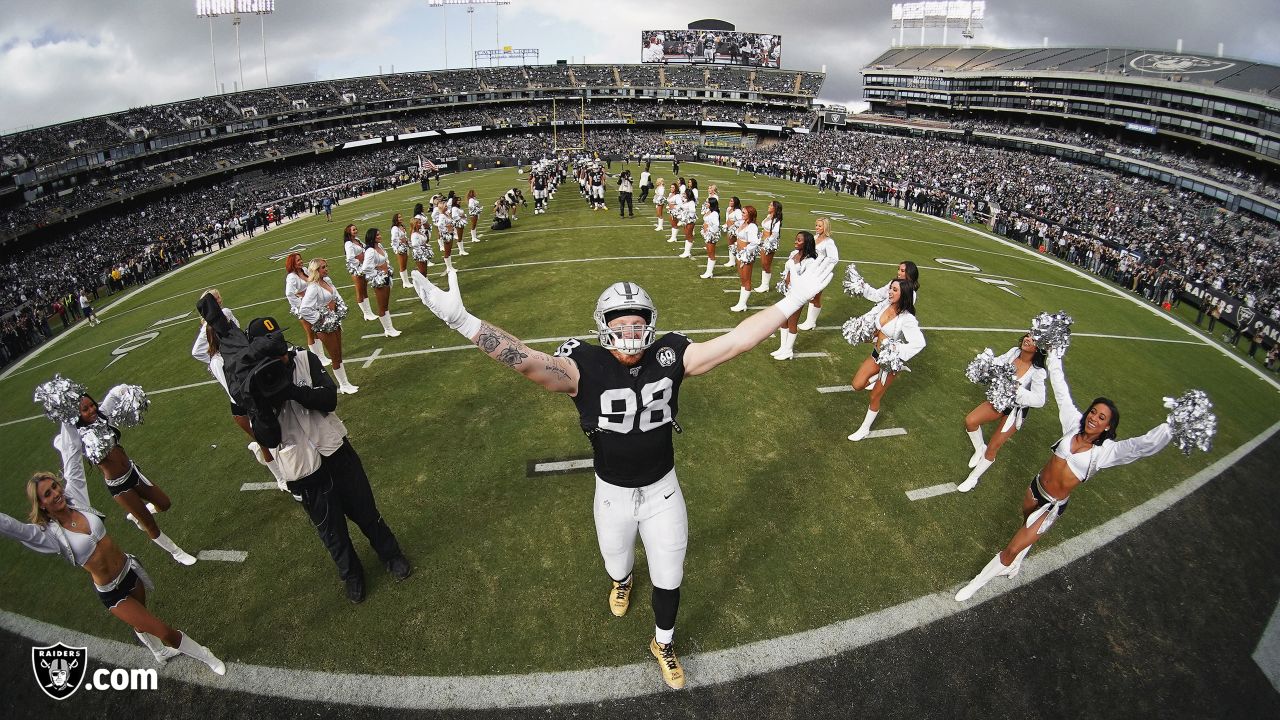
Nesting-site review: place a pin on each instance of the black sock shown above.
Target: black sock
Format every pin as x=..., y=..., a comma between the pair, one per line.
x=666, y=603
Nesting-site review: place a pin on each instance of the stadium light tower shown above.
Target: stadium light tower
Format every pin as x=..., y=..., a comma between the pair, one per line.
x=963, y=15
x=471, y=9
x=211, y=9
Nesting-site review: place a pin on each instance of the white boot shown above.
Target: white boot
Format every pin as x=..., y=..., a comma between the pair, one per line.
x=317, y=347
x=461, y=249
x=972, y=481
x=728, y=263
x=673, y=235
x=993, y=568
x=710, y=266
x=687, y=247
x=810, y=318
x=764, y=281
x=170, y=547
x=405, y=282
x=440, y=244
x=1016, y=567
x=193, y=649
x=364, y=308
x=782, y=342
x=979, y=447
x=473, y=236
x=862, y=431
x=743, y=294
x=788, y=346
x=344, y=385
x=157, y=648
x=448, y=263
x=387, y=329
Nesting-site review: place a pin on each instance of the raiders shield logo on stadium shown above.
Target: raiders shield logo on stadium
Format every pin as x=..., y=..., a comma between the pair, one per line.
x=1245, y=314
x=666, y=357
x=1152, y=62
x=59, y=669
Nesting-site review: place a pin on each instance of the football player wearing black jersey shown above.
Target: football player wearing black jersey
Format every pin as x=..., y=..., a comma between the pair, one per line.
x=627, y=390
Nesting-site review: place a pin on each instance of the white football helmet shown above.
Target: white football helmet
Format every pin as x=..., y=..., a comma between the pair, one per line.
x=626, y=339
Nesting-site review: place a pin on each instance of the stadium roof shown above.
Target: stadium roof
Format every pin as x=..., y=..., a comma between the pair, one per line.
x=1214, y=72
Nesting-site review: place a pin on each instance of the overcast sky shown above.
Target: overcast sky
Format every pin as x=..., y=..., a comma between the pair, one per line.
x=65, y=59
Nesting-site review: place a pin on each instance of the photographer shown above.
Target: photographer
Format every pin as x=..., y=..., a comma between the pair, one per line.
x=624, y=194
x=291, y=405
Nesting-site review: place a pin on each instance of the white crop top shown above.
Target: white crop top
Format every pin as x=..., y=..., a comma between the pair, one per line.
x=52, y=538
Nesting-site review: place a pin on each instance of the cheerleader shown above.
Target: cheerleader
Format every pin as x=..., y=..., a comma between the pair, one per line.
x=712, y=192
x=420, y=244
x=801, y=259
x=378, y=274
x=674, y=198
x=131, y=490
x=689, y=216
x=659, y=199
x=770, y=228
x=732, y=223
x=693, y=189
x=445, y=232
x=323, y=307
x=1028, y=365
x=826, y=246
x=907, y=270
x=458, y=217
x=473, y=213
x=894, y=318
x=400, y=246
x=354, y=252
x=62, y=522
x=746, y=249
x=1088, y=444
x=710, y=234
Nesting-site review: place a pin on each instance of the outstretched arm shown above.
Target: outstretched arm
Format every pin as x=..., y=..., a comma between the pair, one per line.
x=1068, y=414
x=556, y=374
x=702, y=357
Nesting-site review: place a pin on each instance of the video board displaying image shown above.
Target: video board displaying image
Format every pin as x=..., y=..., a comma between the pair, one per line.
x=711, y=46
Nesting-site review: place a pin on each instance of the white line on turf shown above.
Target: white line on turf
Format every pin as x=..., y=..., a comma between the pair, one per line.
x=563, y=465
x=222, y=555
x=931, y=491
x=836, y=389
x=887, y=432
x=811, y=355
x=1267, y=653
x=402, y=314
x=246, y=487
x=373, y=356
x=611, y=683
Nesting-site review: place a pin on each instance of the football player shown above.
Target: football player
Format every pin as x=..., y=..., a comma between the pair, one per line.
x=627, y=391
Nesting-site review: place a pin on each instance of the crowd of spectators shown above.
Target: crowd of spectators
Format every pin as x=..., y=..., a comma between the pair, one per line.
x=1140, y=233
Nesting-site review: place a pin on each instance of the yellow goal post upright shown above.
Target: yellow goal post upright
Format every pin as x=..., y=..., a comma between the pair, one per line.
x=581, y=135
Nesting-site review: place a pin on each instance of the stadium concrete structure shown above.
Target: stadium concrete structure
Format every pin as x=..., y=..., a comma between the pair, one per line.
x=1186, y=102
x=148, y=151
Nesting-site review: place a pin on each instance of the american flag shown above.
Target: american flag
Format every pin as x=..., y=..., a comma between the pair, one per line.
x=425, y=165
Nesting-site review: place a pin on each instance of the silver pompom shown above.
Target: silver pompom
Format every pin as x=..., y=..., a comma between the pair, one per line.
x=131, y=403
x=353, y=266
x=60, y=398
x=399, y=247
x=979, y=370
x=97, y=438
x=379, y=279
x=781, y=287
x=1002, y=386
x=711, y=237
x=890, y=359
x=853, y=282
x=748, y=254
x=1051, y=331
x=1191, y=420
x=423, y=253
x=331, y=320
x=858, y=330
x=770, y=246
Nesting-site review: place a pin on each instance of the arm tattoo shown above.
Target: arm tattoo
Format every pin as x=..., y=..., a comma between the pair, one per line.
x=489, y=338
x=559, y=371
x=511, y=356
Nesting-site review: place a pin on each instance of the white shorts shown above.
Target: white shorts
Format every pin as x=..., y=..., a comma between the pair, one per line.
x=658, y=513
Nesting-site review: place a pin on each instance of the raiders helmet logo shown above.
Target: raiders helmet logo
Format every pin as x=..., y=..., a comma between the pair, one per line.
x=1245, y=314
x=1178, y=64
x=59, y=669
x=666, y=357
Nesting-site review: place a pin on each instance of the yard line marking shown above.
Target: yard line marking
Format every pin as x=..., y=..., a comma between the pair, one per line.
x=19, y=420
x=402, y=314
x=931, y=491
x=372, y=357
x=259, y=486
x=564, y=465
x=836, y=388
x=810, y=355
x=222, y=555
x=171, y=319
x=887, y=432
x=1267, y=653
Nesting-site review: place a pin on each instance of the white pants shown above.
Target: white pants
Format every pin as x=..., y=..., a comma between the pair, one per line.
x=657, y=511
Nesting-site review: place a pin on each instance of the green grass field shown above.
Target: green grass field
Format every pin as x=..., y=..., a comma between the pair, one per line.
x=792, y=527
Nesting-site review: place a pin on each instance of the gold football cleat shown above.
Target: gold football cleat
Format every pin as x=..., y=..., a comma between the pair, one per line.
x=620, y=598
x=672, y=672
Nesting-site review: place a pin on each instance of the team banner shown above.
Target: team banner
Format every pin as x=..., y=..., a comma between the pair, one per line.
x=715, y=47
x=1235, y=313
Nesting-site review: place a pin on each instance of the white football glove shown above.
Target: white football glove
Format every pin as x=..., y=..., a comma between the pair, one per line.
x=805, y=286
x=447, y=305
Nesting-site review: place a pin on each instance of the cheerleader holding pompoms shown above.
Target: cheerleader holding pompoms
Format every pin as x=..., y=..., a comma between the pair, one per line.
x=378, y=273
x=1088, y=445
x=659, y=200
x=98, y=427
x=323, y=307
x=710, y=234
x=473, y=214
x=420, y=244
x=62, y=522
x=745, y=250
x=446, y=232
x=770, y=228
x=732, y=224
x=895, y=332
x=1019, y=372
x=826, y=246
x=674, y=198
x=400, y=246
x=354, y=253
x=689, y=216
x=801, y=259
x=295, y=286
x=458, y=217
x=907, y=270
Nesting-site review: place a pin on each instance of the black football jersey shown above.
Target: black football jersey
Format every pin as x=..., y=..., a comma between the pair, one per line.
x=629, y=412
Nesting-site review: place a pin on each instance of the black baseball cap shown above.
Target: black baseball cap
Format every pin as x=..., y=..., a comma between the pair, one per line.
x=263, y=326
